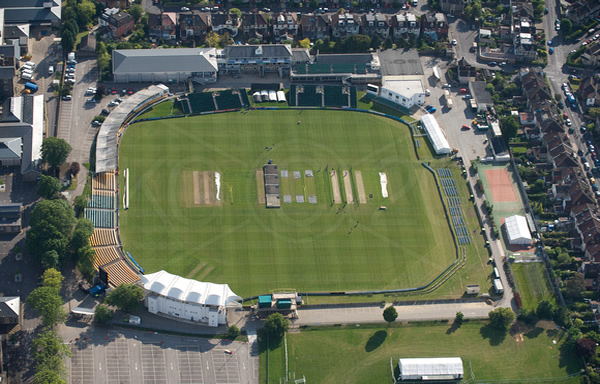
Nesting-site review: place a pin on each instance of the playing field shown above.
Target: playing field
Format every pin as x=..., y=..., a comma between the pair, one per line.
x=176, y=222
x=533, y=284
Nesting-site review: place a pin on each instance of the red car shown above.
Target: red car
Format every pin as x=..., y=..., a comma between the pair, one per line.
x=130, y=91
x=113, y=91
x=465, y=127
x=565, y=115
x=463, y=90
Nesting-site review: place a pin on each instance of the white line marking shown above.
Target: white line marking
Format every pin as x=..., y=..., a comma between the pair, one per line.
x=99, y=366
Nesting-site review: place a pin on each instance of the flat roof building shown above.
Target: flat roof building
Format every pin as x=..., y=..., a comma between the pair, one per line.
x=403, y=90
x=436, y=135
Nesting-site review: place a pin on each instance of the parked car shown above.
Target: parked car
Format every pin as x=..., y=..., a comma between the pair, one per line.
x=70, y=70
x=50, y=69
x=118, y=100
x=454, y=42
x=130, y=91
x=568, y=121
x=184, y=9
x=112, y=104
x=105, y=112
x=91, y=101
x=465, y=127
x=463, y=90
x=114, y=91
x=492, y=63
x=551, y=50
x=67, y=97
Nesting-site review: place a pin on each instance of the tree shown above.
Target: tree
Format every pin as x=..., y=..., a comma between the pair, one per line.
x=49, y=352
x=233, y=332
x=388, y=43
x=575, y=286
x=75, y=168
x=460, y=318
x=48, y=304
x=594, y=112
x=276, y=325
x=55, y=151
x=136, y=11
x=46, y=375
x=566, y=26
x=50, y=259
x=545, y=309
x=86, y=11
x=51, y=224
x=212, y=39
x=304, y=43
x=81, y=235
x=67, y=41
x=502, y=318
x=375, y=42
x=103, y=314
x=52, y=278
x=236, y=11
x=390, y=314
x=509, y=126
x=48, y=187
x=127, y=297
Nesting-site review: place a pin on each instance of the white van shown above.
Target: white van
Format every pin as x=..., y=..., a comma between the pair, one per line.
x=26, y=76
x=415, y=3
x=496, y=273
x=50, y=69
x=29, y=64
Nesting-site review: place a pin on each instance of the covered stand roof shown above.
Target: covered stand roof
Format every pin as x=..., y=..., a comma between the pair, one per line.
x=517, y=230
x=188, y=290
x=431, y=368
x=435, y=134
x=164, y=60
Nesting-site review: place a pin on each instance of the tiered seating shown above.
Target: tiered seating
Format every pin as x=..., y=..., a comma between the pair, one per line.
x=103, y=237
x=201, y=102
x=119, y=273
x=105, y=255
x=361, y=69
x=292, y=96
x=334, y=96
x=228, y=100
x=102, y=218
x=319, y=68
x=244, y=96
x=344, y=68
x=353, y=102
x=310, y=97
x=184, y=106
x=106, y=181
x=103, y=199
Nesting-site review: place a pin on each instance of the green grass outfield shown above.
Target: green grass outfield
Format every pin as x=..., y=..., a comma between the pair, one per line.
x=303, y=246
x=362, y=355
x=533, y=284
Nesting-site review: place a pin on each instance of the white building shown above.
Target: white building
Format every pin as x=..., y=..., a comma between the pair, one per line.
x=426, y=369
x=436, y=135
x=517, y=230
x=188, y=299
x=405, y=92
x=172, y=65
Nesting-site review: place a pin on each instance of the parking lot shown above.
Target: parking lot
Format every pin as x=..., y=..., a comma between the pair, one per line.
x=131, y=356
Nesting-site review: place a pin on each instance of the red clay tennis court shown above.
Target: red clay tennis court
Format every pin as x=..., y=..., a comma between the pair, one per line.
x=501, y=185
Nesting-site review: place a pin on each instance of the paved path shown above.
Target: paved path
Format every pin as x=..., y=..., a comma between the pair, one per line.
x=374, y=314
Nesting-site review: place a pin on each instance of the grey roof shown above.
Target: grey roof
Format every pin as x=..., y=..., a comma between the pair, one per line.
x=10, y=306
x=31, y=15
x=164, y=60
x=106, y=142
x=250, y=51
x=16, y=31
x=300, y=55
x=14, y=208
x=353, y=58
x=27, y=3
x=10, y=148
x=479, y=93
x=9, y=50
x=7, y=72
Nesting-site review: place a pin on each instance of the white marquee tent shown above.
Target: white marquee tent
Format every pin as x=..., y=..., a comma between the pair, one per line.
x=435, y=134
x=517, y=230
x=442, y=368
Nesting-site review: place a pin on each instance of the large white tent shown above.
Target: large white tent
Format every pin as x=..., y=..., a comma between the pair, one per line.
x=517, y=230
x=435, y=134
x=188, y=299
x=440, y=368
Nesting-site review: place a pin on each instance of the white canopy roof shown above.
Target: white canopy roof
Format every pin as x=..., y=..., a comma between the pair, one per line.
x=517, y=230
x=192, y=291
x=435, y=134
x=430, y=368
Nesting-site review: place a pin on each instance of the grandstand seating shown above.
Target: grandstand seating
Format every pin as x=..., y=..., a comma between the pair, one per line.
x=106, y=255
x=334, y=96
x=244, y=96
x=319, y=68
x=120, y=273
x=344, y=68
x=201, y=102
x=309, y=97
x=184, y=105
x=103, y=236
x=103, y=199
x=102, y=218
x=106, y=181
x=353, y=102
x=227, y=100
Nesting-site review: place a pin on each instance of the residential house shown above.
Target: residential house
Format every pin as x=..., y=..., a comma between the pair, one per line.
x=534, y=88
x=10, y=54
x=315, y=26
x=591, y=55
x=255, y=25
x=118, y=22
x=121, y=4
x=589, y=91
x=434, y=26
x=527, y=118
x=452, y=6
x=285, y=25
x=466, y=72
x=345, y=24
x=162, y=27
x=87, y=46
x=10, y=314
x=582, y=11
x=194, y=24
x=522, y=11
x=404, y=25
x=375, y=24
x=525, y=47
x=224, y=22
x=17, y=34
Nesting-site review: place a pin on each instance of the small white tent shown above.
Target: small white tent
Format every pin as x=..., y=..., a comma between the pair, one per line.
x=442, y=368
x=517, y=230
x=435, y=134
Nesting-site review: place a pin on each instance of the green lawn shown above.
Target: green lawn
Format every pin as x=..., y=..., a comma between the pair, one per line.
x=166, y=108
x=533, y=284
x=362, y=355
x=304, y=246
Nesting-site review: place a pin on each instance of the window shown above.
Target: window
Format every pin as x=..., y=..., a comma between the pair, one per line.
x=390, y=94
